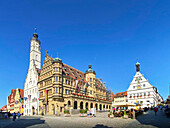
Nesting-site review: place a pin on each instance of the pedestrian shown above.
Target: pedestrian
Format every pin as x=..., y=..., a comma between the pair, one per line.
x=161, y=107
x=14, y=116
x=19, y=115
x=9, y=114
x=155, y=109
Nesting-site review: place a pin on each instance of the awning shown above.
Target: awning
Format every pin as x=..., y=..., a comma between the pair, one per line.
x=123, y=104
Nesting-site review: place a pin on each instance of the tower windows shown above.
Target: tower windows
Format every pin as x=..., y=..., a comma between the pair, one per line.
x=90, y=79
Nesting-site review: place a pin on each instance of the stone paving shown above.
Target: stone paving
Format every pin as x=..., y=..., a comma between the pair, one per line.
x=149, y=118
x=100, y=121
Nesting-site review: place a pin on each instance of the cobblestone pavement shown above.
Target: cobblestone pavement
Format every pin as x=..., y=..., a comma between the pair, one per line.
x=161, y=120
x=100, y=121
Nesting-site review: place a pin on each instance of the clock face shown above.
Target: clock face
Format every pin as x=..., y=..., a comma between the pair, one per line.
x=139, y=86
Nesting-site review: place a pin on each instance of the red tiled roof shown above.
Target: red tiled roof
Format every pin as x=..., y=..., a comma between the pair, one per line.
x=73, y=73
x=4, y=108
x=121, y=94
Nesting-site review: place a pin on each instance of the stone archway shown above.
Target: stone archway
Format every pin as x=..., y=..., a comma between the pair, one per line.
x=81, y=105
x=86, y=105
x=91, y=105
x=96, y=106
x=100, y=107
x=103, y=107
x=69, y=103
x=75, y=104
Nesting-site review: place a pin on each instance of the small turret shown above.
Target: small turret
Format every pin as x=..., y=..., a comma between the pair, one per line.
x=90, y=70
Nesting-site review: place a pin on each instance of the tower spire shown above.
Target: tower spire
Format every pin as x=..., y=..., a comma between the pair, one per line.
x=137, y=66
x=35, y=29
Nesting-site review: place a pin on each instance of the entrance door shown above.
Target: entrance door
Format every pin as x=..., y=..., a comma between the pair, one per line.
x=75, y=104
x=81, y=105
x=61, y=109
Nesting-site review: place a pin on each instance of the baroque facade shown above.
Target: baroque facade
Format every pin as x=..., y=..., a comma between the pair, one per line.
x=63, y=87
x=31, y=94
x=142, y=92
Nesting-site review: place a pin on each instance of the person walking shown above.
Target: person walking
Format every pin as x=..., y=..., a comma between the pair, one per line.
x=14, y=116
x=155, y=109
x=19, y=114
x=9, y=114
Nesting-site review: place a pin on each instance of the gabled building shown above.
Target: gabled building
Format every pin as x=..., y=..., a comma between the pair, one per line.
x=63, y=87
x=19, y=101
x=4, y=109
x=31, y=94
x=11, y=101
x=120, y=97
x=141, y=91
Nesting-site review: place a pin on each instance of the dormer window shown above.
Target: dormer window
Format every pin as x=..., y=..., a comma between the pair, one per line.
x=77, y=71
x=70, y=68
x=65, y=69
x=73, y=73
x=79, y=75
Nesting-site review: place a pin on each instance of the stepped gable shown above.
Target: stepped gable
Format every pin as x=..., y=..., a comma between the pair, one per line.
x=121, y=94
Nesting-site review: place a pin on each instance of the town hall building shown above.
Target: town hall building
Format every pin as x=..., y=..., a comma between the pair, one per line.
x=31, y=94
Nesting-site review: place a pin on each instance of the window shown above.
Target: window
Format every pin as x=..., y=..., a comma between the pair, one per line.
x=66, y=81
x=57, y=78
x=143, y=85
x=36, y=57
x=148, y=93
x=56, y=69
x=32, y=90
x=90, y=85
x=90, y=79
x=144, y=93
x=56, y=90
x=66, y=91
x=133, y=87
x=91, y=92
x=137, y=94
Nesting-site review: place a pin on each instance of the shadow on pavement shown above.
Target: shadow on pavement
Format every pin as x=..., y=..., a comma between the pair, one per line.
x=101, y=126
x=160, y=120
x=22, y=123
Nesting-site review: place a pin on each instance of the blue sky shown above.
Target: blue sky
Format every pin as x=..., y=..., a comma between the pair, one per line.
x=109, y=34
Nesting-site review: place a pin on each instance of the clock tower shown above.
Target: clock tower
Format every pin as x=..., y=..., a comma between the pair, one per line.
x=35, y=53
x=31, y=93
